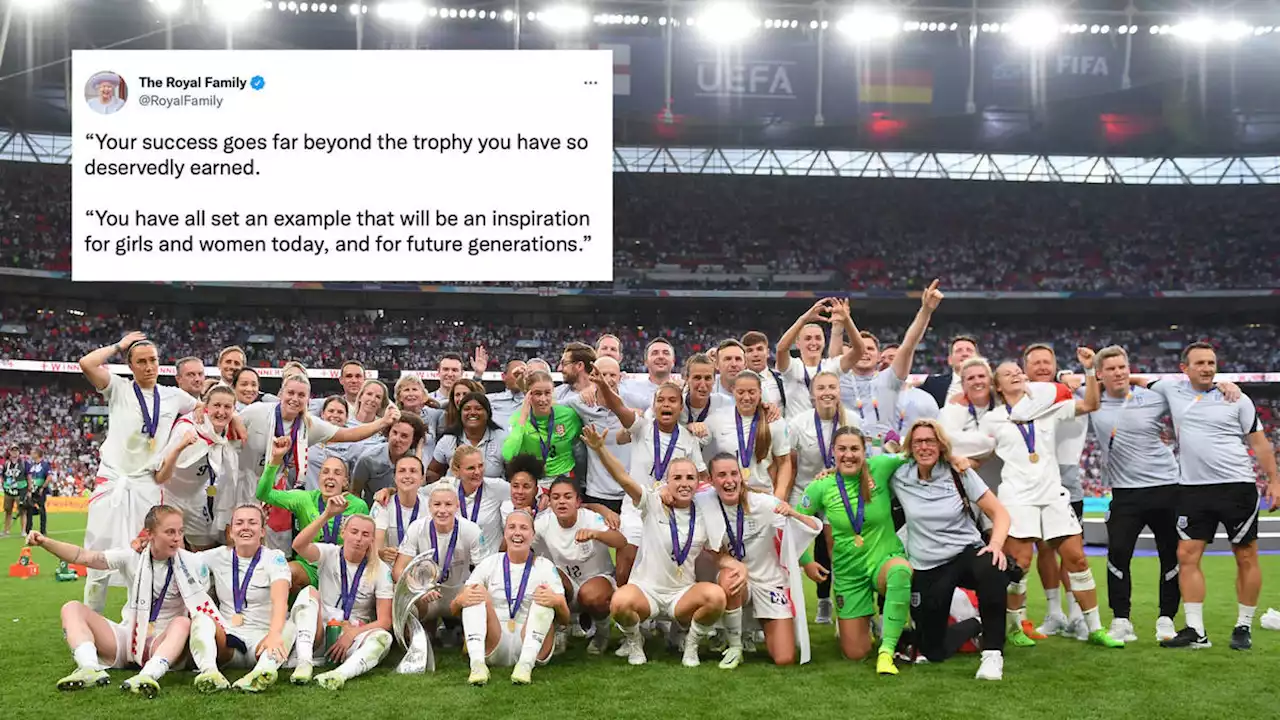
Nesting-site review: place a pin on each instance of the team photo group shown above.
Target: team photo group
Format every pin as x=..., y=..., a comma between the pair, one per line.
x=317, y=537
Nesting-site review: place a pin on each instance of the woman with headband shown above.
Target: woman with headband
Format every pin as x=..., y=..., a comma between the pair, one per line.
x=140, y=417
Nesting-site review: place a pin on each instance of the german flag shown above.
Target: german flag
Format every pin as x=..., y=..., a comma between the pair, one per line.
x=898, y=87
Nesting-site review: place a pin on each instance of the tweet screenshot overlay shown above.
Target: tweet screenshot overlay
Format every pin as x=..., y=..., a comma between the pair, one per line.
x=396, y=166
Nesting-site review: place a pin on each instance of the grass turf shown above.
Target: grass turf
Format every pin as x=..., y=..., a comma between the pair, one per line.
x=1060, y=678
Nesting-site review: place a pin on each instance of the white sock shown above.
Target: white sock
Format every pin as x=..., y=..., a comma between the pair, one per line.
x=699, y=631
x=631, y=633
x=1013, y=620
x=602, y=626
x=1092, y=619
x=475, y=625
x=1194, y=613
x=305, y=614
x=1073, y=607
x=535, y=632
x=733, y=626
x=203, y=644
x=1244, y=616
x=156, y=668
x=1053, y=599
x=268, y=662
x=86, y=656
x=375, y=646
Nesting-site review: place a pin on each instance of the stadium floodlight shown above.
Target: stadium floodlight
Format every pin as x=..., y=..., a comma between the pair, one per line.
x=408, y=12
x=33, y=6
x=726, y=23
x=234, y=12
x=863, y=25
x=167, y=7
x=565, y=17
x=1037, y=28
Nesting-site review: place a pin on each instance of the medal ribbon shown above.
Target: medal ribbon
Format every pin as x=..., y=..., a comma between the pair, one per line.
x=680, y=554
x=546, y=446
x=329, y=531
x=475, y=507
x=688, y=409
x=448, y=555
x=737, y=543
x=1028, y=435
x=240, y=591
x=400, y=518
x=150, y=421
x=825, y=449
x=744, y=455
x=513, y=606
x=855, y=519
x=349, y=592
x=660, y=463
x=292, y=452
x=157, y=602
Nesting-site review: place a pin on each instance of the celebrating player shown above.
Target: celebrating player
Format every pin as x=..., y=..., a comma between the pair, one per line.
x=1039, y=507
x=509, y=604
x=355, y=592
x=153, y=629
x=140, y=417
x=577, y=541
x=867, y=557
x=761, y=445
x=197, y=463
x=748, y=522
x=306, y=505
x=663, y=582
x=251, y=627
x=544, y=429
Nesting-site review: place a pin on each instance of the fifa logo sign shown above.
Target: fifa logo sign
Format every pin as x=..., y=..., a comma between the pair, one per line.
x=1082, y=65
x=761, y=79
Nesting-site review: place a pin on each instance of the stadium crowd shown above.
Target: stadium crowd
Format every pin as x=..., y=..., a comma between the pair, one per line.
x=868, y=234
x=325, y=342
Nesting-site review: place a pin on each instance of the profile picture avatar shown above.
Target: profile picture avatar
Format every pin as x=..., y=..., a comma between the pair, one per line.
x=105, y=93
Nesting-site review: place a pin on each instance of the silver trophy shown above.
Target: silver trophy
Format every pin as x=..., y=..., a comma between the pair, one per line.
x=419, y=578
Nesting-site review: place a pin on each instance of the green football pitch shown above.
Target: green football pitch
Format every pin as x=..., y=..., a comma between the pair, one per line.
x=1058, y=679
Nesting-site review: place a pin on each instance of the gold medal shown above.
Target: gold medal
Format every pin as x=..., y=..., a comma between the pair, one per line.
x=511, y=626
x=211, y=491
x=746, y=473
x=237, y=619
x=857, y=540
x=151, y=629
x=1035, y=457
x=679, y=573
x=151, y=444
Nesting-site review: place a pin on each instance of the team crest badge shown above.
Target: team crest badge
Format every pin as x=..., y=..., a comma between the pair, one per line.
x=840, y=601
x=915, y=599
x=560, y=429
x=1182, y=522
x=806, y=502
